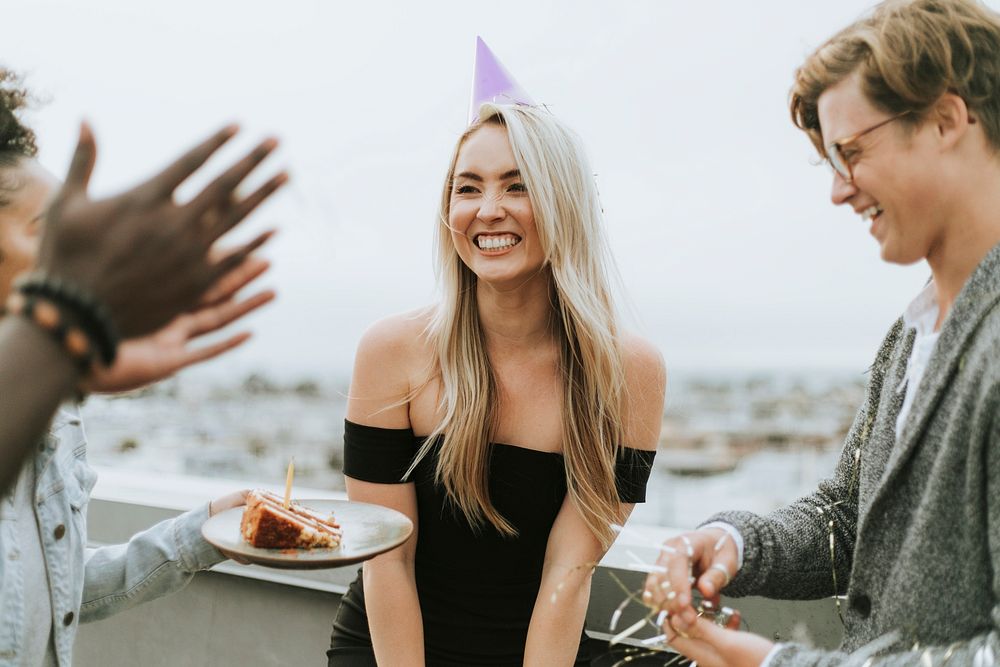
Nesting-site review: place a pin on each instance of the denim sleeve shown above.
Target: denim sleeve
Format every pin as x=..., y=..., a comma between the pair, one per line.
x=157, y=561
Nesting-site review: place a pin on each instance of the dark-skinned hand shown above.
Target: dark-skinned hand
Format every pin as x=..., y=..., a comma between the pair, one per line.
x=141, y=254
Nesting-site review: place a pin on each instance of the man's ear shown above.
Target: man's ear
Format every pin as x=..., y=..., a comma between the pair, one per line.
x=951, y=119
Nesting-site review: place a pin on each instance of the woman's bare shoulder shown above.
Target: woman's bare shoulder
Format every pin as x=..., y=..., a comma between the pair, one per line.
x=398, y=339
x=646, y=385
x=643, y=360
x=393, y=358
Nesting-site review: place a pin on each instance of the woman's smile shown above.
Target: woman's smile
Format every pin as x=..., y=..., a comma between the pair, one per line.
x=493, y=244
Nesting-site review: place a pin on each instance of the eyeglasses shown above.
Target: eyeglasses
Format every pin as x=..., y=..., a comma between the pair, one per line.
x=839, y=158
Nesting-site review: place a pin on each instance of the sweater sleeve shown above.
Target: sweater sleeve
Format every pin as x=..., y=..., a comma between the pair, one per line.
x=982, y=645
x=796, y=552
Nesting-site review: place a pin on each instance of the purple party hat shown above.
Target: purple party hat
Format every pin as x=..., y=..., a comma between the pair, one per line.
x=491, y=82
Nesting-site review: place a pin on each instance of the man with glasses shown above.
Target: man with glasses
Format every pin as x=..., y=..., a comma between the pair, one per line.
x=905, y=106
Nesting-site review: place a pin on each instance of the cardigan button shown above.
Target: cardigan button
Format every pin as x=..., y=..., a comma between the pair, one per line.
x=68, y=618
x=862, y=605
x=59, y=532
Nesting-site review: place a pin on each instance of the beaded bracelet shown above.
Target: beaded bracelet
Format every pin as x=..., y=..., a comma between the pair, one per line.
x=47, y=316
x=89, y=314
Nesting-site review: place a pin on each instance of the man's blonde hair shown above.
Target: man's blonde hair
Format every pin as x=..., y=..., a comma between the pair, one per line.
x=908, y=53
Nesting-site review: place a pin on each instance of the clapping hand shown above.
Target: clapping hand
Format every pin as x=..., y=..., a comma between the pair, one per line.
x=157, y=356
x=143, y=255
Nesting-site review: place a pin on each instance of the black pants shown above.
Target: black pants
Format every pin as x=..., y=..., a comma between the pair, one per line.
x=350, y=644
x=604, y=656
x=610, y=656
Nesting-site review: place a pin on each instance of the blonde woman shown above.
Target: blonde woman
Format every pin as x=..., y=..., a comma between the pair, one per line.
x=513, y=422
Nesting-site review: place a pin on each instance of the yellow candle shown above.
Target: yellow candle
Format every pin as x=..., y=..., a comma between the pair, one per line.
x=288, y=482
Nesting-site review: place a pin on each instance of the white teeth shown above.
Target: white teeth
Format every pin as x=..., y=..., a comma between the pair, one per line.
x=870, y=212
x=496, y=242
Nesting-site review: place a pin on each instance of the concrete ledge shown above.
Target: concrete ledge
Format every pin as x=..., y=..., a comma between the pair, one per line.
x=217, y=621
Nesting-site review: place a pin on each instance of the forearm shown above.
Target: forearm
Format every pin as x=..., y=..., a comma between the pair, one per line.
x=155, y=562
x=787, y=553
x=557, y=619
x=36, y=375
x=394, y=617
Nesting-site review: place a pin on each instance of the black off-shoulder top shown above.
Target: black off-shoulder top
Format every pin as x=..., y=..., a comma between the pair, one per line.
x=476, y=587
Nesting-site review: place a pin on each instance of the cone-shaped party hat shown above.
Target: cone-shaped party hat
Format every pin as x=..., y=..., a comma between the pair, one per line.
x=491, y=82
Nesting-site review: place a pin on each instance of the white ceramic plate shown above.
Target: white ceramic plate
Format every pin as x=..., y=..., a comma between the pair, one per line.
x=369, y=530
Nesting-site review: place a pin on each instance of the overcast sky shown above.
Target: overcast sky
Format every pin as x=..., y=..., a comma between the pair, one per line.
x=732, y=255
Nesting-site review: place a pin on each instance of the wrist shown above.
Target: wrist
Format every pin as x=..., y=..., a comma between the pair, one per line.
x=734, y=534
x=78, y=307
x=61, y=328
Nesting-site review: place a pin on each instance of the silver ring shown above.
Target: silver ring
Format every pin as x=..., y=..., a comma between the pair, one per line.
x=724, y=570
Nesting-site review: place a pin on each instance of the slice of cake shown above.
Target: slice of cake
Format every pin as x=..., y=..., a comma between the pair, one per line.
x=268, y=524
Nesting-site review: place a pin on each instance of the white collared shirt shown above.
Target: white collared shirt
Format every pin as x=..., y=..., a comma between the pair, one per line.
x=921, y=315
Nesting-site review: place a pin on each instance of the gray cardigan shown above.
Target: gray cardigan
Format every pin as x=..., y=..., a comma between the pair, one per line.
x=916, y=523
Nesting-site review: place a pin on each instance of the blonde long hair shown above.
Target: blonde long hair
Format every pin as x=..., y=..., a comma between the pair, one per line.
x=568, y=218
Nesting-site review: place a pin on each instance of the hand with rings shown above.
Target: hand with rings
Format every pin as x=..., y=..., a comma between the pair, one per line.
x=705, y=559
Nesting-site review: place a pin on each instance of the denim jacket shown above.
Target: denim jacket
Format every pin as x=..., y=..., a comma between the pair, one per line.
x=88, y=584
